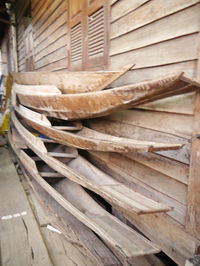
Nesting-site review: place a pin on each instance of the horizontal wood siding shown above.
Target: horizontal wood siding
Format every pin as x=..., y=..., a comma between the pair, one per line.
x=155, y=37
x=50, y=34
x=20, y=47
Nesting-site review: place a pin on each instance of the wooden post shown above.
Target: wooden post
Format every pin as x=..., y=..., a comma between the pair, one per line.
x=193, y=199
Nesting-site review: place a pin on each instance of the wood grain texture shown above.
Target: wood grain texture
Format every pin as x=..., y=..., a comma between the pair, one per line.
x=179, y=210
x=193, y=200
x=121, y=8
x=121, y=129
x=168, y=123
x=88, y=139
x=170, y=27
x=144, y=174
x=162, y=53
x=94, y=104
x=99, y=182
x=72, y=82
x=148, y=13
x=180, y=104
x=118, y=236
x=50, y=33
x=77, y=244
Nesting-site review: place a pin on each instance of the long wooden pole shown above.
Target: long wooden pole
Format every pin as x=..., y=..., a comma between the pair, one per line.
x=193, y=199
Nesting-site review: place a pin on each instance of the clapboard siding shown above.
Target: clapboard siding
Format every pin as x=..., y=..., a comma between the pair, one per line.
x=52, y=40
x=20, y=47
x=136, y=176
x=52, y=17
x=176, y=25
x=141, y=74
x=167, y=52
x=50, y=35
x=121, y=8
x=54, y=66
x=159, y=38
x=152, y=11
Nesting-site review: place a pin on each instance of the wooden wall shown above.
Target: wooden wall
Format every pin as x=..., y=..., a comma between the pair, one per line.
x=160, y=37
x=50, y=34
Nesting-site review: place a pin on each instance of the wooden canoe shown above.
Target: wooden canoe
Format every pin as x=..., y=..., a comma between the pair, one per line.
x=100, y=103
x=84, y=173
x=72, y=82
x=86, y=138
x=74, y=199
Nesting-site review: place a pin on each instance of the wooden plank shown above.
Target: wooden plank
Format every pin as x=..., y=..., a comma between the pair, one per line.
x=50, y=39
x=77, y=244
x=193, y=212
x=52, y=57
x=151, y=11
x=121, y=8
x=82, y=172
x=116, y=234
x=55, y=66
x=160, y=121
x=175, y=242
x=41, y=11
x=163, y=53
x=180, y=104
x=177, y=213
x=50, y=18
x=72, y=82
x=179, y=24
x=101, y=103
x=59, y=43
x=154, y=179
x=54, y=27
x=21, y=241
x=121, y=129
x=172, y=168
x=88, y=139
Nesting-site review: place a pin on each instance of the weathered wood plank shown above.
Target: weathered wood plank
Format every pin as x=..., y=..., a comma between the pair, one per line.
x=138, y=75
x=50, y=39
x=21, y=241
x=85, y=174
x=172, y=238
x=77, y=244
x=55, y=9
x=180, y=104
x=121, y=8
x=59, y=43
x=56, y=55
x=172, y=168
x=178, y=24
x=148, y=13
x=166, y=52
x=168, y=123
x=154, y=179
x=193, y=200
x=55, y=66
x=51, y=30
x=177, y=213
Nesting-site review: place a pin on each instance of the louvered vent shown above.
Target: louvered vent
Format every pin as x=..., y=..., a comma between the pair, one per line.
x=96, y=33
x=76, y=43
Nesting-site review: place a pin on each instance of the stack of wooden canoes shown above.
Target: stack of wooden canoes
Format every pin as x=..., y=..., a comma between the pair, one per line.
x=50, y=122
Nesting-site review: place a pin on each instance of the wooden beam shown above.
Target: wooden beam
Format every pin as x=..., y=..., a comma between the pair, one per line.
x=193, y=198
